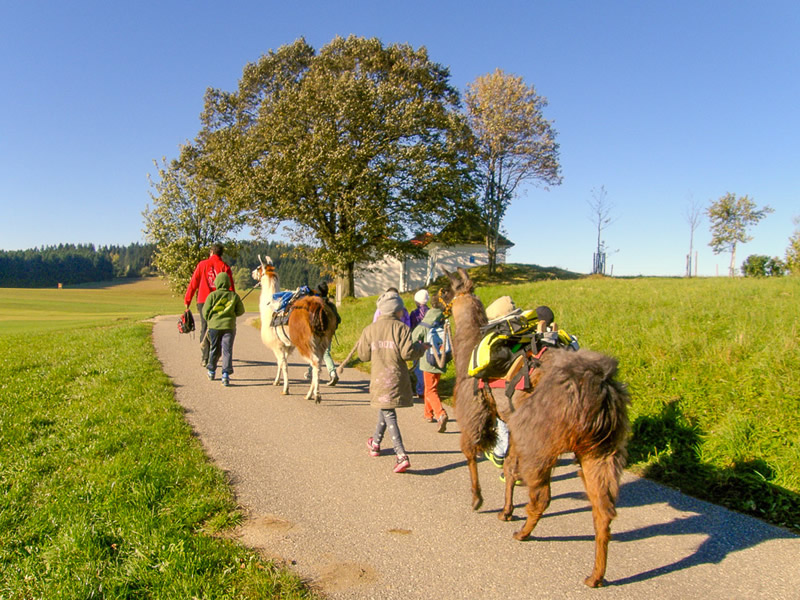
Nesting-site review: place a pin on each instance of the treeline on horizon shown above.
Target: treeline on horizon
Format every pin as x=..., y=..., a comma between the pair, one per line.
x=71, y=264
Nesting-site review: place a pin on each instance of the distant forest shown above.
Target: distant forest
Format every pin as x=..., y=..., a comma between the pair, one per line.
x=71, y=264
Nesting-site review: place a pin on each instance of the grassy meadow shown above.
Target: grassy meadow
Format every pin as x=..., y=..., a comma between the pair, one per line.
x=106, y=493
x=712, y=366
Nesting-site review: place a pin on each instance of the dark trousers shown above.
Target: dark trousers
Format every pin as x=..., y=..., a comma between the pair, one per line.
x=204, y=341
x=221, y=340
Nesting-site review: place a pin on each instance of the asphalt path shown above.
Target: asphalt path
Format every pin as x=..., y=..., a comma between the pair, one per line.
x=316, y=501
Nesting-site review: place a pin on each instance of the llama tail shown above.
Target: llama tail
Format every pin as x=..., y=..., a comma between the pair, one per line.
x=606, y=400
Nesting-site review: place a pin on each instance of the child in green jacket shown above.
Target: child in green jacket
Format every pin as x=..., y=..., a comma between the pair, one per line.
x=220, y=310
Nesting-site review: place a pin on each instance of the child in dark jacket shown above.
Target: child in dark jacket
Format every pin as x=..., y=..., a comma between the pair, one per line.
x=220, y=310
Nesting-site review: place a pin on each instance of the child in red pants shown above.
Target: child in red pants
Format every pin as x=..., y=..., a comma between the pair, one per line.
x=433, y=364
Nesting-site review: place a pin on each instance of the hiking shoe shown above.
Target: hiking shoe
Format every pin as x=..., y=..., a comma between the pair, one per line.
x=497, y=461
x=226, y=380
x=374, y=449
x=442, y=420
x=402, y=464
x=334, y=379
x=503, y=479
x=211, y=375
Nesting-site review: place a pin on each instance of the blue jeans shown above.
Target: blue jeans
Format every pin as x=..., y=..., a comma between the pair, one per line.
x=221, y=339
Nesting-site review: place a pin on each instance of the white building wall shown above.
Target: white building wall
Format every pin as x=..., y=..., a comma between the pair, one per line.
x=416, y=273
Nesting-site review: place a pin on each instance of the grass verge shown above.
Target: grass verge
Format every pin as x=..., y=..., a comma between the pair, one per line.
x=712, y=367
x=104, y=492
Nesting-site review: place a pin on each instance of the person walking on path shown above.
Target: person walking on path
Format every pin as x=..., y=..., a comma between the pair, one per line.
x=220, y=310
x=202, y=284
x=387, y=344
x=433, y=364
x=415, y=318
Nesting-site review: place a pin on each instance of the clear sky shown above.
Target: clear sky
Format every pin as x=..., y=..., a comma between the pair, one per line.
x=663, y=103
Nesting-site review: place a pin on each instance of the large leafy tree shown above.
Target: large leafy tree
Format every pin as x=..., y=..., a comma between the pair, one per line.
x=515, y=144
x=189, y=213
x=730, y=218
x=355, y=148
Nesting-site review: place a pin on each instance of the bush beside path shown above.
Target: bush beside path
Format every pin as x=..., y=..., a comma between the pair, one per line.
x=315, y=500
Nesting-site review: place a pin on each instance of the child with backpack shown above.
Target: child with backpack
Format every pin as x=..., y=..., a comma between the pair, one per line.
x=387, y=344
x=220, y=310
x=433, y=363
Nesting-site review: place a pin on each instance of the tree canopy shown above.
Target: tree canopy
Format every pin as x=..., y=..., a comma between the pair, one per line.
x=190, y=212
x=355, y=148
x=515, y=143
x=730, y=218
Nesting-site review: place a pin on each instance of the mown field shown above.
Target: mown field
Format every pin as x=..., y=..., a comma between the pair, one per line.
x=105, y=493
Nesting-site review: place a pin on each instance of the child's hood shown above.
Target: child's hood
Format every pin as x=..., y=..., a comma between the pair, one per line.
x=433, y=316
x=222, y=282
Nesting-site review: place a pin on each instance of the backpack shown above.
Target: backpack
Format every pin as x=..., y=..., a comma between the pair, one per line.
x=186, y=322
x=435, y=336
x=509, y=337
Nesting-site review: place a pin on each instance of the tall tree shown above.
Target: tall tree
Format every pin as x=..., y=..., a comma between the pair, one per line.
x=601, y=217
x=793, y=251
x=693, y=219
x=515, y=144
x=731, y=217
x=356, y=148
x=189, y=213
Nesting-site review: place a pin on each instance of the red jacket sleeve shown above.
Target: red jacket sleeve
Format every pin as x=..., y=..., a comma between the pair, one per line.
x=194, y=283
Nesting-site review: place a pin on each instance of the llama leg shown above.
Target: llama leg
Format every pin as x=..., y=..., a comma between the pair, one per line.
x=279, y=370
x=510, y=470
x=470, y=452
x=539, y=492
x=601, y=479
x=285, y=369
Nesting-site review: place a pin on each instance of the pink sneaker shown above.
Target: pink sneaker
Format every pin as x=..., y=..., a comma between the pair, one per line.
x=402, y=464
x=374, y=449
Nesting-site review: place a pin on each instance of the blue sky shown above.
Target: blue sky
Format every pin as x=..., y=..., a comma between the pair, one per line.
x=661, y=103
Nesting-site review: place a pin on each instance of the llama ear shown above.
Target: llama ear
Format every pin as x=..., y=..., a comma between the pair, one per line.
x=464, y=275
x=261, y=262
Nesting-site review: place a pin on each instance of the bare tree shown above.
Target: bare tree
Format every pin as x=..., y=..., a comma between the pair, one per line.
x=693, y=213
x=601, y=217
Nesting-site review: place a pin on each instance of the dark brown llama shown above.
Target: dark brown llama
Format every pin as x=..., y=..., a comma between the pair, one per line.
x=577, y=405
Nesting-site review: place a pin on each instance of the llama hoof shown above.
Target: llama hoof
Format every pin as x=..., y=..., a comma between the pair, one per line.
x=519, y=536
x=318, y=400
x=594, y=582
x=284, y=392
x=504, y=516
x=477, y=502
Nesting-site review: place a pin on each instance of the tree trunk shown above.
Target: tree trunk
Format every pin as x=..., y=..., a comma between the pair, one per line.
x=345, y=283
x=732, y=267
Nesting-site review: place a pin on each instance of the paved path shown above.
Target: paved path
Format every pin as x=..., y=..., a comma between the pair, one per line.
x=318, y=502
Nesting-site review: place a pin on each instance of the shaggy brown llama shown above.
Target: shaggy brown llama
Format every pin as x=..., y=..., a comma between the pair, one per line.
x=577, y=405
x=312, y=324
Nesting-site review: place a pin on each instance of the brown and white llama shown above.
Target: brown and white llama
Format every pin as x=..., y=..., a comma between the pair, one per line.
x=311, y=326
x=577, y=405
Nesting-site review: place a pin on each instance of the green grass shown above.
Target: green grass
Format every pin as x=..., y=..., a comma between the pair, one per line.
x=34, y=310
x=712, y=366
x=104, y=491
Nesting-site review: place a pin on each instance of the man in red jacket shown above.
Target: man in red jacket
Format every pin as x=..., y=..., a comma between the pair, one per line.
x=202, y=283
